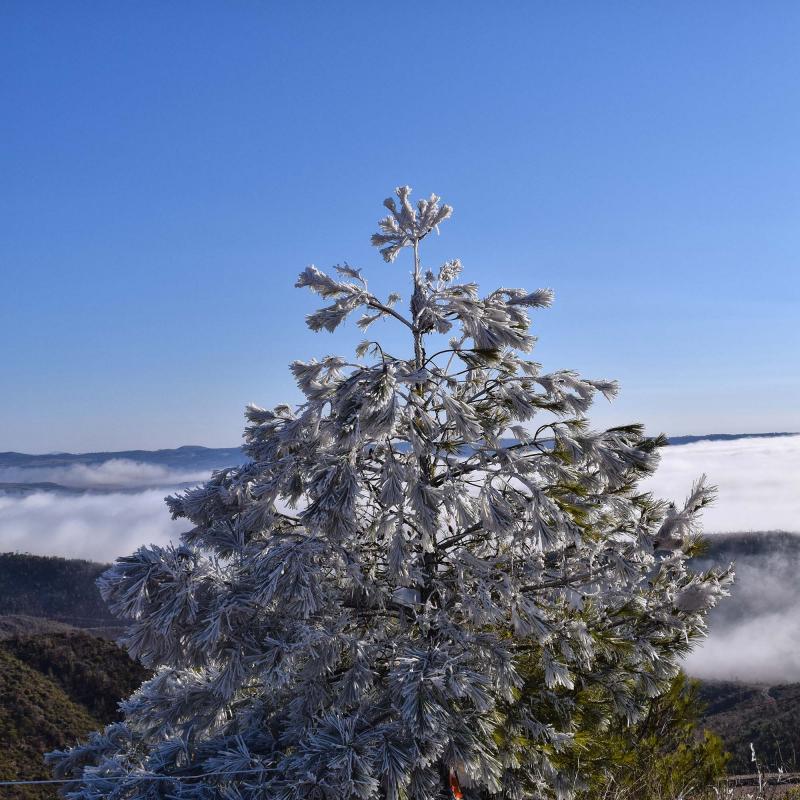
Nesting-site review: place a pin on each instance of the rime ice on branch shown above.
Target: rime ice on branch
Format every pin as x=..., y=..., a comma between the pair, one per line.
x=393, y=599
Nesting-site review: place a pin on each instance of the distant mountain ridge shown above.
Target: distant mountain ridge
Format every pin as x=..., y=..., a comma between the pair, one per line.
x=21, y=488
x=188, y=457
x=198, y=457
x=727, y=437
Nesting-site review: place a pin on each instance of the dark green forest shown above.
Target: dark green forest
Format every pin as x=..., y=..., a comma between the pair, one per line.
x=56, y=588
x=55, y=689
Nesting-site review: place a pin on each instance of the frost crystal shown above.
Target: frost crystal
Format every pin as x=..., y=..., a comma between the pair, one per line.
x=392, y=599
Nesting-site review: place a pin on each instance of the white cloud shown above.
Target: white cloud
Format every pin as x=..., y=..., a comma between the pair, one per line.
x=758, y=480
x=123, y=509
x=116, y=473
x=762, y=649
x=755, y=633
x=99, y=527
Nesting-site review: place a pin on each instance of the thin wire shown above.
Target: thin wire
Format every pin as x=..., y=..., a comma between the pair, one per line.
x=111, y=622
x=99, y=778
x=96, y=779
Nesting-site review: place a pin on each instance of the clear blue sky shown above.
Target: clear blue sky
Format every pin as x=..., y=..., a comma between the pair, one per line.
x=169, y=167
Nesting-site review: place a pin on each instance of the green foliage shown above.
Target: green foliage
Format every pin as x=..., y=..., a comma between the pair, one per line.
x=93, y=672
x=54, y=690
x=57, y=588
x=661, y=757
x=35, y=716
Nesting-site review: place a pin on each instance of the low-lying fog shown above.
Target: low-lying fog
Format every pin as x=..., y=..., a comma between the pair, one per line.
x=755, y=635
x=758, y=481
x=98, y=527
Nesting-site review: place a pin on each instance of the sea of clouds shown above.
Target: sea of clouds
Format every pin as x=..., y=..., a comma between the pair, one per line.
x=755, y=634
x=97, y=527
x=116, y=473
x=118, y=505
x=758, y=481
x=113, y=508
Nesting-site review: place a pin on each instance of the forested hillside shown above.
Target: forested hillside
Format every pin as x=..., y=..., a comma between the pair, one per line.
x=56, y=688
x=12, y=625
x=57, y=683
x=768, y=717
x=35, y=716
x=56, y=588
x=93, y=672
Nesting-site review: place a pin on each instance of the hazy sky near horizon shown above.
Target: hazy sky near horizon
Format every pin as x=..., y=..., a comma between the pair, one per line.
x=169, y=168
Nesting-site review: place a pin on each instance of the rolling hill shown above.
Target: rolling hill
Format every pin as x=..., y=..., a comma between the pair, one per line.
x=53, y=588
x=56, y=688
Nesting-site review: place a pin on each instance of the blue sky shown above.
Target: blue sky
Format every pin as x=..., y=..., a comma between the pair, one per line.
x=168, y=168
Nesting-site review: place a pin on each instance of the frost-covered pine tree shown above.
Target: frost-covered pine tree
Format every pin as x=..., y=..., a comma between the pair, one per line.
x=420, y=578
